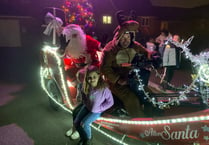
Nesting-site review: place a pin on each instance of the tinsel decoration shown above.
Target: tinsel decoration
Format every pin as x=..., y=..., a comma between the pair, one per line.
x=199, y=84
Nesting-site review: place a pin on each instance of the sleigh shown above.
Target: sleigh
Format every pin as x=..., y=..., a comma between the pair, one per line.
x=180, y=116
x=164, y=127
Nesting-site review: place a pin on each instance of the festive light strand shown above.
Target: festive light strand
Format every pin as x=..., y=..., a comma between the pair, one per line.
x=197, y=60
x=52, y=52
x=46, y=71
x=201, y=60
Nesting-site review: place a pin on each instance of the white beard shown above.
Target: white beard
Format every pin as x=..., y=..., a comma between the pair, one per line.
x=76, y=48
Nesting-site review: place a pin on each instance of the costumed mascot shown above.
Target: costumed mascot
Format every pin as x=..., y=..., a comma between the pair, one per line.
x=117, y=53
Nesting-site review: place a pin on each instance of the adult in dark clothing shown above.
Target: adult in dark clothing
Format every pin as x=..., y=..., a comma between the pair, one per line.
x=171, y=61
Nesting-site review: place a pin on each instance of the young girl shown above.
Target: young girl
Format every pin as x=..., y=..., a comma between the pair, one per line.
x=96, y=100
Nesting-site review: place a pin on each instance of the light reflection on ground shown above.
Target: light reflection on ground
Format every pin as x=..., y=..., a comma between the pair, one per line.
x=12, y=133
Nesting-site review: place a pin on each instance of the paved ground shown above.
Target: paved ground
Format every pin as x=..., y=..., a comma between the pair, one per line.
x=27, y=119
x=13, y=134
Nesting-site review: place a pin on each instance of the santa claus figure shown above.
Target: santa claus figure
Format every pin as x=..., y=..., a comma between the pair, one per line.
x=79, y=49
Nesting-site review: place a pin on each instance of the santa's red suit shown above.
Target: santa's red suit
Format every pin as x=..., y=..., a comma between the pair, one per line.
x=92, y=46
x=75, y=58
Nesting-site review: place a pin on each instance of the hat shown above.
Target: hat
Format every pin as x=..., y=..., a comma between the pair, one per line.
x=125, y=24
x=71, y=29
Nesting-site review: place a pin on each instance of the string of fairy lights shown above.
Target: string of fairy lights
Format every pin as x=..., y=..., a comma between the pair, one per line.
x=45, y=71
x=83, y=15
x=201, y=61
x=202, y=75
x=201, y=64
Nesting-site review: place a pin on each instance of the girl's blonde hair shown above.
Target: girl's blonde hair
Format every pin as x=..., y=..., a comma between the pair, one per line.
x=101, y=83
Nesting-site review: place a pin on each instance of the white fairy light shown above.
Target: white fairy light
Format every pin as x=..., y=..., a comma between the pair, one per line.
x=201, y=61
x=204, y=73
x=44, y=72
x=52, y=51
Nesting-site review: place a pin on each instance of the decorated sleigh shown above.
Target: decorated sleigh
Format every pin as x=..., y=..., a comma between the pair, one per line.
x=185, y=129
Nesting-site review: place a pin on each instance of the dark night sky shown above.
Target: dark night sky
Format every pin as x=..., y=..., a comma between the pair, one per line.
x=142, y=7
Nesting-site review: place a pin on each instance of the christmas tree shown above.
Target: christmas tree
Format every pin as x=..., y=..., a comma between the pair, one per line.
x=79, y=12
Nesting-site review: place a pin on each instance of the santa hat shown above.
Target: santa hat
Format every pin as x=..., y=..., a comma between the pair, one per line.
x=71, y=29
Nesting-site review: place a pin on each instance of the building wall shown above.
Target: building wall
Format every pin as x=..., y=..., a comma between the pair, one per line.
x=12, y=39
x=149, y=25
x=20, y=45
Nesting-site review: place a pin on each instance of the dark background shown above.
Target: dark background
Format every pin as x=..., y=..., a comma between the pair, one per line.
x=22, y=63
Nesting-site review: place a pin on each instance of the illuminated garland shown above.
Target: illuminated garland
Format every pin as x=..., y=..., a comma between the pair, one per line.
x=199, y=60
x=45, y=71
x=52, y=51
x=204, y=73
x=155, y=122
x=161, y=104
